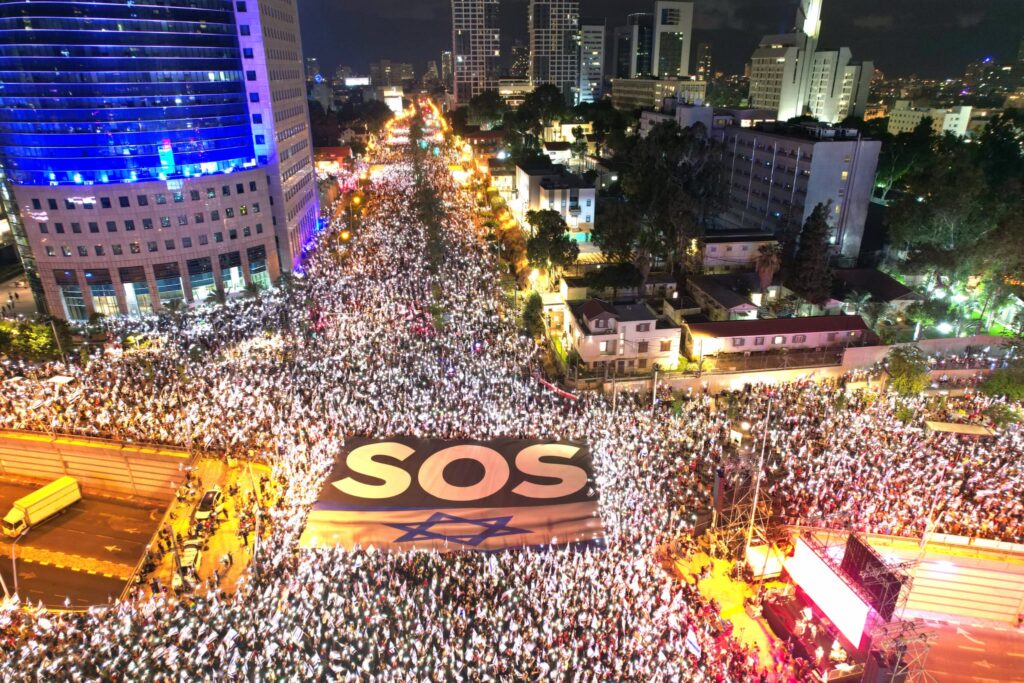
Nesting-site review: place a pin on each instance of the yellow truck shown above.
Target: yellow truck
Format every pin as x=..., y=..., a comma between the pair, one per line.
x=40, y=505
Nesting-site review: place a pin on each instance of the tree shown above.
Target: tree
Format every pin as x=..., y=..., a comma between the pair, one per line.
x=1008, y=383
x=908, y=369
x=615, y=276
x=375, y=114
x=767, y=263
x=578, y=146
x=533, y=314
x=810, y=275
x=487, y=109
x=616, y=230
x=550, y=247
x=903, y=155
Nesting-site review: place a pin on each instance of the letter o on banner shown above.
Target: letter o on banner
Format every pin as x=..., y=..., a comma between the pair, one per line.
x=496, y=471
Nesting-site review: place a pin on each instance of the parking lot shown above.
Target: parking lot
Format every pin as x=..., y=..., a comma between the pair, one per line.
x=83, y=556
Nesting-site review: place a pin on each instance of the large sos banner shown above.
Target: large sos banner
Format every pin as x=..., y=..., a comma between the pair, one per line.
x=405, y=493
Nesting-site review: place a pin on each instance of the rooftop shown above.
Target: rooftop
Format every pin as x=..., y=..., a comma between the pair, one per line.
x=738, y=236
x=770, y=326
x=879, y=285
x=725, y=289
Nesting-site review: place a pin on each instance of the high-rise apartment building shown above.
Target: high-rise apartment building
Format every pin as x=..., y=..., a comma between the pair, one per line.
x=838, y=87
x=634, y=46
x=554, y=45
x=476, y=47
x=174, y=163
x=312, y=68
x=387, y=73
x=592, y=39
x=447, y=71
x=704, y=65
x=673, y=26
x=519, y=68
x=790, y=76
x=904, y=117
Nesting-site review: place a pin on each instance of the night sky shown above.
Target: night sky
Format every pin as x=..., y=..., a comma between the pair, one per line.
x=933, y=38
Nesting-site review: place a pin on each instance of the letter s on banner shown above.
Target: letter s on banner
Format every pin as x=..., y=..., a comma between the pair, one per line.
x=571, y=478
x=361, y=461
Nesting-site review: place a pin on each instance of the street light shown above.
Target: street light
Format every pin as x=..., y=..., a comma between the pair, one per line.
x=14, y=566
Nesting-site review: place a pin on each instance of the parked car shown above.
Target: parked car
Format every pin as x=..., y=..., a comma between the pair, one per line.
x=211, y=504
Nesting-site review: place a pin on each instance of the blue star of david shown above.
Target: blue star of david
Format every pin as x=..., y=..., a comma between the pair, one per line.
x=490, y=527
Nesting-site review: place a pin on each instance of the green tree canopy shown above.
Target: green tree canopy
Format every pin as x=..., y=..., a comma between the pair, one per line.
x=809, y=274
x=908, y=369
x=487, y=109
x=550, y=247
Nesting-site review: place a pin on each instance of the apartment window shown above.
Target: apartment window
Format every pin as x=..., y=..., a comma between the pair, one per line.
x=165, y=221
x=94, y=227
x=243, y=210
x=844, y=175
x=738, y=341
x=641, y=347
x=182, y=220
x=240, y=6
x=259, y=228
x=642, y=363
x=254, y=97
x=215, y=215
x=86, y=204
x=604, y=347
x=83, y=251
x=198, y=218
x=229, y=213
x=211, y=193
x=239, y=188
x=69, y=205
x=65, y=249
x=161, y=198
x=76, y=228
x=799, y=338
x=203, y=240
x=257, y=118
x=252, y=186
x=111, y=226
x=36, y=204
x=143, y=200
x=225, y=190
x=250, y=75
x=44, y=228
x=104, y=203
x=194, y=194
x=243, y=29
x=778, y=339
x=169, y=245
x=52, y=203
x=758, y=341
x=99, y=249
x=123, y=202
x=178, y=197
x=261, y=140
x=247, y=52
x=59, y=227
x=666, y=345
x=233, y=234
x=151, y=246
x=218, y=237
x=133, y=247
x=116, y=249
x=50, y=251
x=246, y=231
x=643, y=327
x=186, y=242
x=147, y=223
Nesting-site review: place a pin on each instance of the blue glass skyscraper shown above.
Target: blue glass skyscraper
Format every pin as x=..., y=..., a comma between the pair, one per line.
x=117, y=117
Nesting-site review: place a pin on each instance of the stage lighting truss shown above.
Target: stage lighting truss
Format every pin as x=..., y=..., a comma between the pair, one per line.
x=904, y=645
x=873, y=577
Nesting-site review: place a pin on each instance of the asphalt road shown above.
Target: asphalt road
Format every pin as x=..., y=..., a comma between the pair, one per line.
x=976, y=654
x=59, y=588
x=95, y=528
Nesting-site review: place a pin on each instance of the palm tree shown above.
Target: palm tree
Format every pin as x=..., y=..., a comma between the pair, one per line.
x=768, y=263
x=858, y=300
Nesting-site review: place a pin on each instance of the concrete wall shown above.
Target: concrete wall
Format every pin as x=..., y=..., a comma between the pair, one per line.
x=100, y=466
x=856, y=358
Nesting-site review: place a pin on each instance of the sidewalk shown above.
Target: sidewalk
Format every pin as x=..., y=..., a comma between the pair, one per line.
x=24, y=305
x=225, y=539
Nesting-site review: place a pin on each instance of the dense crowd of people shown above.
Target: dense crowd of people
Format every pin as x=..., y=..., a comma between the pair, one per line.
x=384, y=336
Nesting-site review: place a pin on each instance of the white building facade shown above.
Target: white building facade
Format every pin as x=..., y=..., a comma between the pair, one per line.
x=592, y=51
x=904, y=118
x=554, y=45
x=673, y=29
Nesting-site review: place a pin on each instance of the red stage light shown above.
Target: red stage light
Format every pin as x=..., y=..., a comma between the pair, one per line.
x=829, y=592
